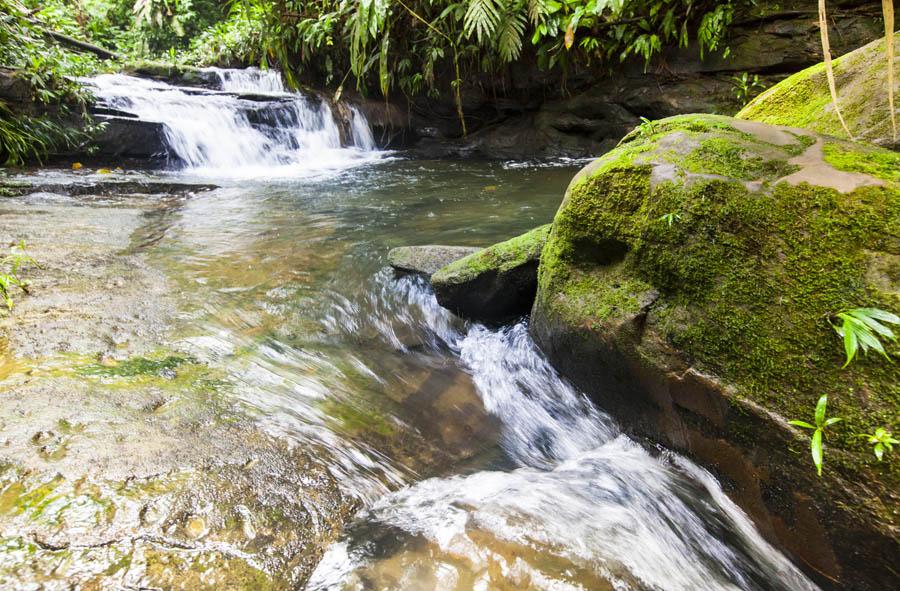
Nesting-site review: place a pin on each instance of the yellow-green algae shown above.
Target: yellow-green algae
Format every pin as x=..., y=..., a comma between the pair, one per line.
x=745, y=281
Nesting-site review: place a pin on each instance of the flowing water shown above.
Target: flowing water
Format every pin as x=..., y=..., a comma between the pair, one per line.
x=476, y=465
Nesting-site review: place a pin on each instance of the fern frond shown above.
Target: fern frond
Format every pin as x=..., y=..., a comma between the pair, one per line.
x=509, y=34
x=539, y=10
x=482, y=18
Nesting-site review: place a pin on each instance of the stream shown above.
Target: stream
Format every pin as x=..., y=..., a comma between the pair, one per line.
x=472, y=463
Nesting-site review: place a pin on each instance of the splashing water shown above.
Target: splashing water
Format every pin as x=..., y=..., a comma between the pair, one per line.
x=587, y=509
x=253, y=127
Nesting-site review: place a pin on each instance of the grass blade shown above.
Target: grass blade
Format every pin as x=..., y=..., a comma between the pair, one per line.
x=815, y=447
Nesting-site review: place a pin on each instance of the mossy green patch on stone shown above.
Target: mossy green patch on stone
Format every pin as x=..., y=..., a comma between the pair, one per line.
x=499, y=257
x=877, y=163
x=720, y=156
x=136, y=366
x=747, y=278
x=803, y=100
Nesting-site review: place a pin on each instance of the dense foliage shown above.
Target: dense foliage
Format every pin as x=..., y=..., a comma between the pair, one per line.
x=49, y=71
x=411, y=45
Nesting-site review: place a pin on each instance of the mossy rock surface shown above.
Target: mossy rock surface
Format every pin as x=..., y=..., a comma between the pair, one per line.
x=174, y=73
x=494, y=283
x=803, y=100
x=425, y=260
x=688, y=284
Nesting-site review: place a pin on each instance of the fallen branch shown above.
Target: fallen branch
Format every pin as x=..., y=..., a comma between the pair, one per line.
x=100, y=52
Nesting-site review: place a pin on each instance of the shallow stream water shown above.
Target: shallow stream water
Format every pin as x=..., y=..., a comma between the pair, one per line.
x=475, y=464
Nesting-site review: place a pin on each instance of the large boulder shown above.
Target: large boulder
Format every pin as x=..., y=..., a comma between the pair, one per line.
x=803, y=100
x=687, y=285
x=425, y=260
x=495, y=283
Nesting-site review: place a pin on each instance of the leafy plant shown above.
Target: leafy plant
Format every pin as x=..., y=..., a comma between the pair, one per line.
x=746, y=87
x=862, y=327
x=10, y=266
x=646, y=128
x=818, y=429
x=881, y=440
x=670, y=218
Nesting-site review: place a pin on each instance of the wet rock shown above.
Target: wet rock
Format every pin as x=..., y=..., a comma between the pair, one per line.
x=425, y=260
x=685, y=285
x=131, y=138
x=176, y=74
x=495, y=283
x=803, y=99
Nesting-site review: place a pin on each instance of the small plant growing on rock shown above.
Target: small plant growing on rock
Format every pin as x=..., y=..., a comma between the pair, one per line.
x=815, y=445
x=863, y=327
x=881, y=440
x=646, y=128
x=746, y=87
x=670, y=218
x=10, y=266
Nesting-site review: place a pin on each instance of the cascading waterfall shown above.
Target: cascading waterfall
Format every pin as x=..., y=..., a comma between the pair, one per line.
x=251, y=127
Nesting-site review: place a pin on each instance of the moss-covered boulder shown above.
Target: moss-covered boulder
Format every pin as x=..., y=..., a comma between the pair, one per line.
x=496, y=283
x=174, y=73
x=688, y=285
x=425, y=260
x=803, y=100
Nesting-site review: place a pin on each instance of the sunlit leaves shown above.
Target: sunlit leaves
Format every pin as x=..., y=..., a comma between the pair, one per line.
x=482, y=18
x=818, y=429
x=864, y=328
x=881, y=440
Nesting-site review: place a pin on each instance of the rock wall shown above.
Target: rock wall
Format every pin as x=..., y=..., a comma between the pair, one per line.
x=527, y=116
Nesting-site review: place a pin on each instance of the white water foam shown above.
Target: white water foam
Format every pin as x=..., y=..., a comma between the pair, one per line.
x=252, y=128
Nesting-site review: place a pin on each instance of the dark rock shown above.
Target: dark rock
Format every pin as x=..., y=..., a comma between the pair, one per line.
x=176, y=74
x=495, y=283
x=425, y=260
x=685, y=286
x=131, y=137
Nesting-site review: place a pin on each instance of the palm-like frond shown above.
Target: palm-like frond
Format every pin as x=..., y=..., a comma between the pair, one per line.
x=510, y=31
x=482, y=18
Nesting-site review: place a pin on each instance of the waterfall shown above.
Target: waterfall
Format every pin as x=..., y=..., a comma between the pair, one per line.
x=252, y=127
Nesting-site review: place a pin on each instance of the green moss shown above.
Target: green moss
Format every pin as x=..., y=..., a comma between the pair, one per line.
x=803, y=100
x=499, y=257
x=746, y=279
x=721, y=156
x=136, y=366
x=878, y=163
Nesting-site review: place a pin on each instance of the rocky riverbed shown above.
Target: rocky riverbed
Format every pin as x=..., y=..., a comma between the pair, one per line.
x=123, y=459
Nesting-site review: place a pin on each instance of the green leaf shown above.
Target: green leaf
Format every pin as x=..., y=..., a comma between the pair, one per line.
x=879, y=451
x=815, y=447
x=850, y=343
x=832, y=421
x=820, y=410
x=879, y=314
x=803, y=424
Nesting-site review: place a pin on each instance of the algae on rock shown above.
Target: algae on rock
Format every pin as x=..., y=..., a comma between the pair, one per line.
x=803, y=100
x=709, y=331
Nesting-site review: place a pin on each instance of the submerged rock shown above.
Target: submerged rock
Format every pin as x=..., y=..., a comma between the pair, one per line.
x=495, y=283
x=425, y=260
x=803, y=100
x=686, y=285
